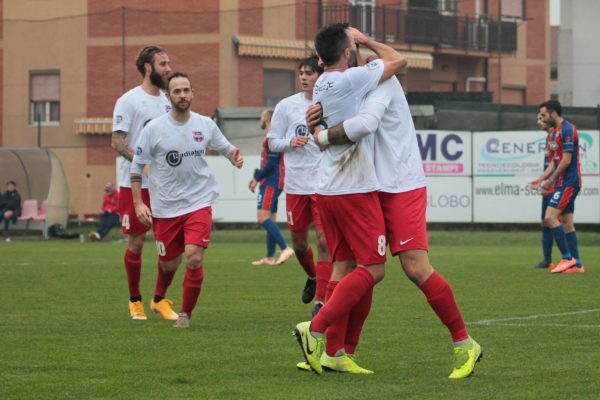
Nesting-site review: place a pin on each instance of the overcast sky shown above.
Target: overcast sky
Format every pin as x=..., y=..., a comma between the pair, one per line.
x=554, y=12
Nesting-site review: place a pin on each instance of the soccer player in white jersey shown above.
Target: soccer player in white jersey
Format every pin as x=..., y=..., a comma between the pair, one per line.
x=348, y=201
x=182, y=187
x=403, y=198
x=132, y=112
x=288, y=134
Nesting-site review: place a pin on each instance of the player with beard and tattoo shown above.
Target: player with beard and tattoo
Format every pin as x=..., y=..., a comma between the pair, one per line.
x=182, y=187
x=132, y=112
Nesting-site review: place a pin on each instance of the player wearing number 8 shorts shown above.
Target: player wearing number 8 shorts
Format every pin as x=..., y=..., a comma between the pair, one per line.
x=288, y=134
x=132, y=112
x=403, y=198
x=182, y=187
x=348, y=201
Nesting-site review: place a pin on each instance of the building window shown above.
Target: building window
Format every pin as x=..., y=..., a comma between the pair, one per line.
x=44, y=103
x=513, y=10
x=277, y=85
x=554, y=72
x=363, y=16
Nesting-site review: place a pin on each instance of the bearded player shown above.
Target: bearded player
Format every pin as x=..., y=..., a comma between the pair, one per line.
x=132, y=112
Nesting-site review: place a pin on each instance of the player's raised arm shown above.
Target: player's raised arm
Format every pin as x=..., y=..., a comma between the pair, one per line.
x=393, y=61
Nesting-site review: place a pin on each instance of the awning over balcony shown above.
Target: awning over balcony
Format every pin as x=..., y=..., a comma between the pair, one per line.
x=256, y=46
x=92, y=126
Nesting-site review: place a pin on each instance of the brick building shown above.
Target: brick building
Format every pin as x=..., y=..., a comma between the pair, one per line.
x=66, y=62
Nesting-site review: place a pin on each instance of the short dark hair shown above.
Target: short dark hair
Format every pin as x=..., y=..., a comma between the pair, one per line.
x=11, y=183
x=552, y=105
x=330, y=42
x=177, y=75
x=146, y=55
x=313, y=63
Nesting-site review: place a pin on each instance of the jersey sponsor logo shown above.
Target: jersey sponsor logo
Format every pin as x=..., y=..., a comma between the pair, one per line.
x=118, y=119
x=138, y=151
x=322, y=87
x=301, y=130
x=372, y=65
x=198, y=136
x=174, y=158
x=553, y=145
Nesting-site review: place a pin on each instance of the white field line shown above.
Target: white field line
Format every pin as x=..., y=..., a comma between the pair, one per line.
x=551, y=325
x=531, y=317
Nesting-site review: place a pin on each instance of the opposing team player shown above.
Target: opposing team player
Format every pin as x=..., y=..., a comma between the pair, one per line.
x=403, y=198
x=182, y=187
x=269, y=178
x=288, y=134
x=547, y=238
x=132, y=112
x=348, y=201
x=566, y=180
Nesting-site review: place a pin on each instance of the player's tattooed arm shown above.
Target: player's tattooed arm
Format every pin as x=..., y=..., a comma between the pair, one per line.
x=136, y=178
x=337, y=135
x=120, y=145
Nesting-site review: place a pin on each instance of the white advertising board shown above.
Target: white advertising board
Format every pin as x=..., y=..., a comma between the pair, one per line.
x=449, y=199
x=445, y=153
x=521, y=153
x=508, y=199
x=236, y=202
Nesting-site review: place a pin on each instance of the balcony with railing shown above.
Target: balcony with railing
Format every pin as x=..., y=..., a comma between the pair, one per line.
x=395, y=24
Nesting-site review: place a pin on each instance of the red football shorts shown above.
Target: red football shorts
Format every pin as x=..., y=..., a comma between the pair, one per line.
x=172, y=234
x=129, y=222
x=301, y=211
x=354, y=227
x=405, y=223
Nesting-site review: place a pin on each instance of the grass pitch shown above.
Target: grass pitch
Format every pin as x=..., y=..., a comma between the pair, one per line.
x=66, y=332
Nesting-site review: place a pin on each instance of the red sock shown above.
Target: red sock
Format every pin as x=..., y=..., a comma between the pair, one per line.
x=356, y=321
x=347, y=293
x=336, y=332
x=331, y=285
x=441, y=299
x=192, y=283
x=163, y=281
x=307, y=261
x=133, y=267
x=324, y=269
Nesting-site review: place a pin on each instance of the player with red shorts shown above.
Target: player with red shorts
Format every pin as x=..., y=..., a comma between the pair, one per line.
x=132, y=112
x=403, y=198
x=565, y=179
x=182, y=187
x=348, y=201
x=288, y=134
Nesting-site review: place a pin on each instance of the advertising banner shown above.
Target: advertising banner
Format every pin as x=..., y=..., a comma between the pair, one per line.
x=449, y=199
x=445, y=153
x=521, y=153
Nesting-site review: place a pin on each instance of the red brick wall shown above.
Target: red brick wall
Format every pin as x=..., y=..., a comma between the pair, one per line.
x=98, y=150
x=104, y=77
x=536, y=29
x=536, y=84
x=418, y=80
x=466, y=8
x=157, y=17
x=250, y=18
x=310, y=25
x=1, y=92
x=250, y=82
x=492, y=83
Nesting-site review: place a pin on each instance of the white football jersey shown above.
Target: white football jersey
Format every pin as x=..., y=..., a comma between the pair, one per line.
x=180, y=179
x=347, y=168
x=301, y=164
x=132, y=112
x=397, y=156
